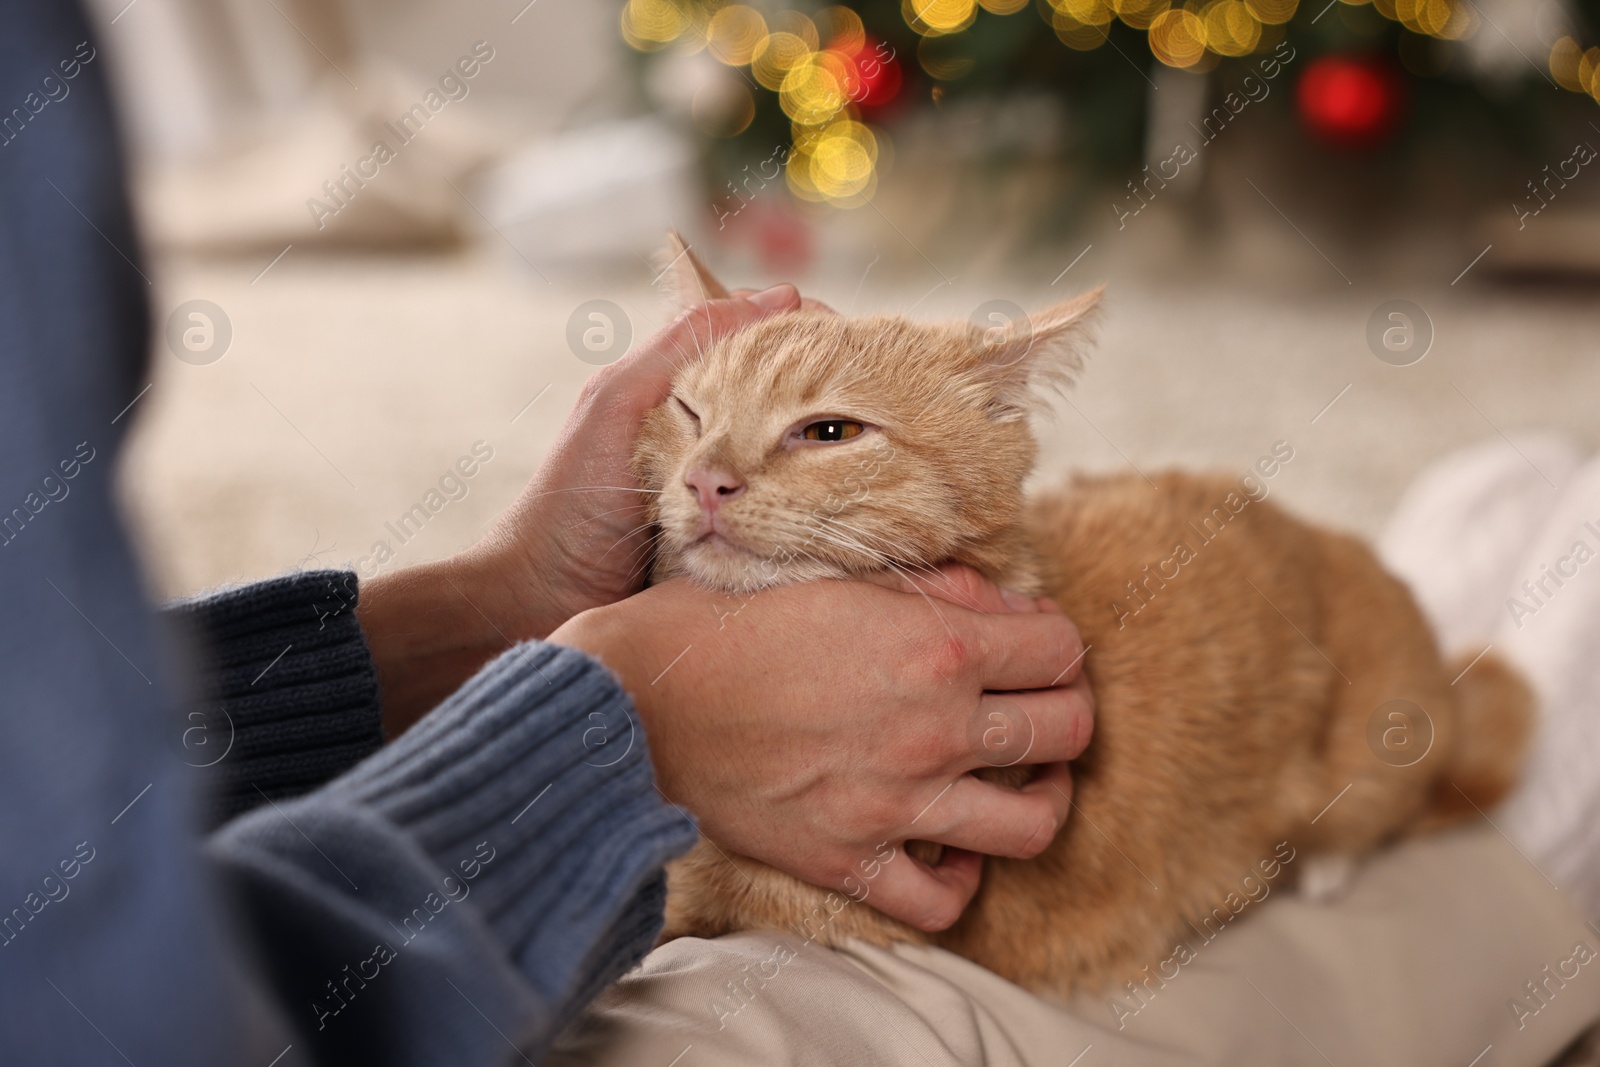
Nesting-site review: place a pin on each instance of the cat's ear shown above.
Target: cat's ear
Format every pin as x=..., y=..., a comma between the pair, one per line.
x=1017, y=354
x=685, y=278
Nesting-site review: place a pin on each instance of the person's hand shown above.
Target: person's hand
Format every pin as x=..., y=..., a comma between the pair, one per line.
x=575, y=538
x=809, y=723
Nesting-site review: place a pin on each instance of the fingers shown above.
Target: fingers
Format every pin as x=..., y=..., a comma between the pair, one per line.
x=928, y=898
x=1041, y=726
x=696, y=329
x=996, y=819
x=806, y=303
x=1022, y=650
x=647, y=370
x=781, y=297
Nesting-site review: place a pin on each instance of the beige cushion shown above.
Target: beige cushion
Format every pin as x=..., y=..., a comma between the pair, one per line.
x=1418, y=963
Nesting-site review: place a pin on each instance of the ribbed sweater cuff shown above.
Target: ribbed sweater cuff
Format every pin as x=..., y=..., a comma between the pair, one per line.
x=540, y=760
x=290, y=694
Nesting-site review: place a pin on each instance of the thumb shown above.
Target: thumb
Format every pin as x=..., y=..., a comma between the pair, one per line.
x=783, y=297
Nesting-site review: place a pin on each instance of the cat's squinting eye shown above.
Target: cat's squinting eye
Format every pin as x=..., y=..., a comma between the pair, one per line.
x=832, y=430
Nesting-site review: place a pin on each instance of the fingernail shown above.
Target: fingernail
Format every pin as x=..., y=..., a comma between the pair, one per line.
x=1016, y=601
x=776, y=298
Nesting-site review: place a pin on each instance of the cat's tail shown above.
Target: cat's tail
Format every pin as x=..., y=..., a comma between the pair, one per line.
x=1495, y=712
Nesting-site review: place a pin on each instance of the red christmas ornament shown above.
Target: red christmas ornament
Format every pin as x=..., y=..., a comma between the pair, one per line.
x=874, y=77
x=1350, y=101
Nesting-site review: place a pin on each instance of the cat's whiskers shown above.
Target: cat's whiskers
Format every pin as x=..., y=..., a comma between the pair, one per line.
x=851, y=545
x=889, y=551
x=645, y=552
x=630, y=534
x=613, y=511
x=854, y=547
x=640, y=570
x=914, y=573
x=597, y=489
x=911, y=579
x=844, y=539
x=906, y=571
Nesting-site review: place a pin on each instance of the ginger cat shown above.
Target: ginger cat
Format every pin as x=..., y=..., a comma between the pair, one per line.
x=1235, y=705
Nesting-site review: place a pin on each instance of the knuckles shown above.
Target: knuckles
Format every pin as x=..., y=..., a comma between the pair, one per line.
x=951, y=656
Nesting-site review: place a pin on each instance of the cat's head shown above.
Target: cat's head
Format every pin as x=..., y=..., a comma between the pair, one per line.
x=816, y=445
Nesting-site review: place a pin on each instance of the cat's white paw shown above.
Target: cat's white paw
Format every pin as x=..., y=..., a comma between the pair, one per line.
x=1324, y=879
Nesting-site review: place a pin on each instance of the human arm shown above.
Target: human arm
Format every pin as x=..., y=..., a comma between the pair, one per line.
x=285, y=694
x=486, y=873
x=574, y=538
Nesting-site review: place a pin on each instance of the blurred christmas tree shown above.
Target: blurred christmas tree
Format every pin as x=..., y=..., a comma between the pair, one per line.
x=812, y=92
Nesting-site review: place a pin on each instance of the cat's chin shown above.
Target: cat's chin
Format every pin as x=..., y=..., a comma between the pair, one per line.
x=720, y=565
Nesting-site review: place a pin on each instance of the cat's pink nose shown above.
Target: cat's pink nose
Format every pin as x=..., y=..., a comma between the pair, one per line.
x=713, y=487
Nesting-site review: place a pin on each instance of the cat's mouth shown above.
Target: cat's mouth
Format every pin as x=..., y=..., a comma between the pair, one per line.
x=720, y=562
x=716, y=541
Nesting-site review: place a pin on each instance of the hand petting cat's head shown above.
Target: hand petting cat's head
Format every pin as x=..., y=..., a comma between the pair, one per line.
x=813, y=445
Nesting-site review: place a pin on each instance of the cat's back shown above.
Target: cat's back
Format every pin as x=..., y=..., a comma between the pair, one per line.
x=1171, y=550
x=1195, y=602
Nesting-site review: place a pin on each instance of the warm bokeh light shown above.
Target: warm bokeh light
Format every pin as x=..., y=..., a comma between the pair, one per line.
x=783, y=52
x=934, y=17
x=828, y=72
x=842, y=27
x=1449, y=19
x=736, y=34
x=1589, y=73
x=1273, y=12
x=843, y=157
x=812, y=92
x=1085, y=12
x=812, y=179
x=1231, y=30
x=799, y=24
x=1565, y=56
x=1575, y=69
x=1140, y=14
x=651, y=24
x=1075, y=34
x=1178, y=38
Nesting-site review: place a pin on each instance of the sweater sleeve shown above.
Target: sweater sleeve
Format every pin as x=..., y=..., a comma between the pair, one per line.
x=474, y=883
x=286, y=696
x=292, y=704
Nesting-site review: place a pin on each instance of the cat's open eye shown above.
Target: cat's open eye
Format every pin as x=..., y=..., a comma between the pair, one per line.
x=832, y=430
